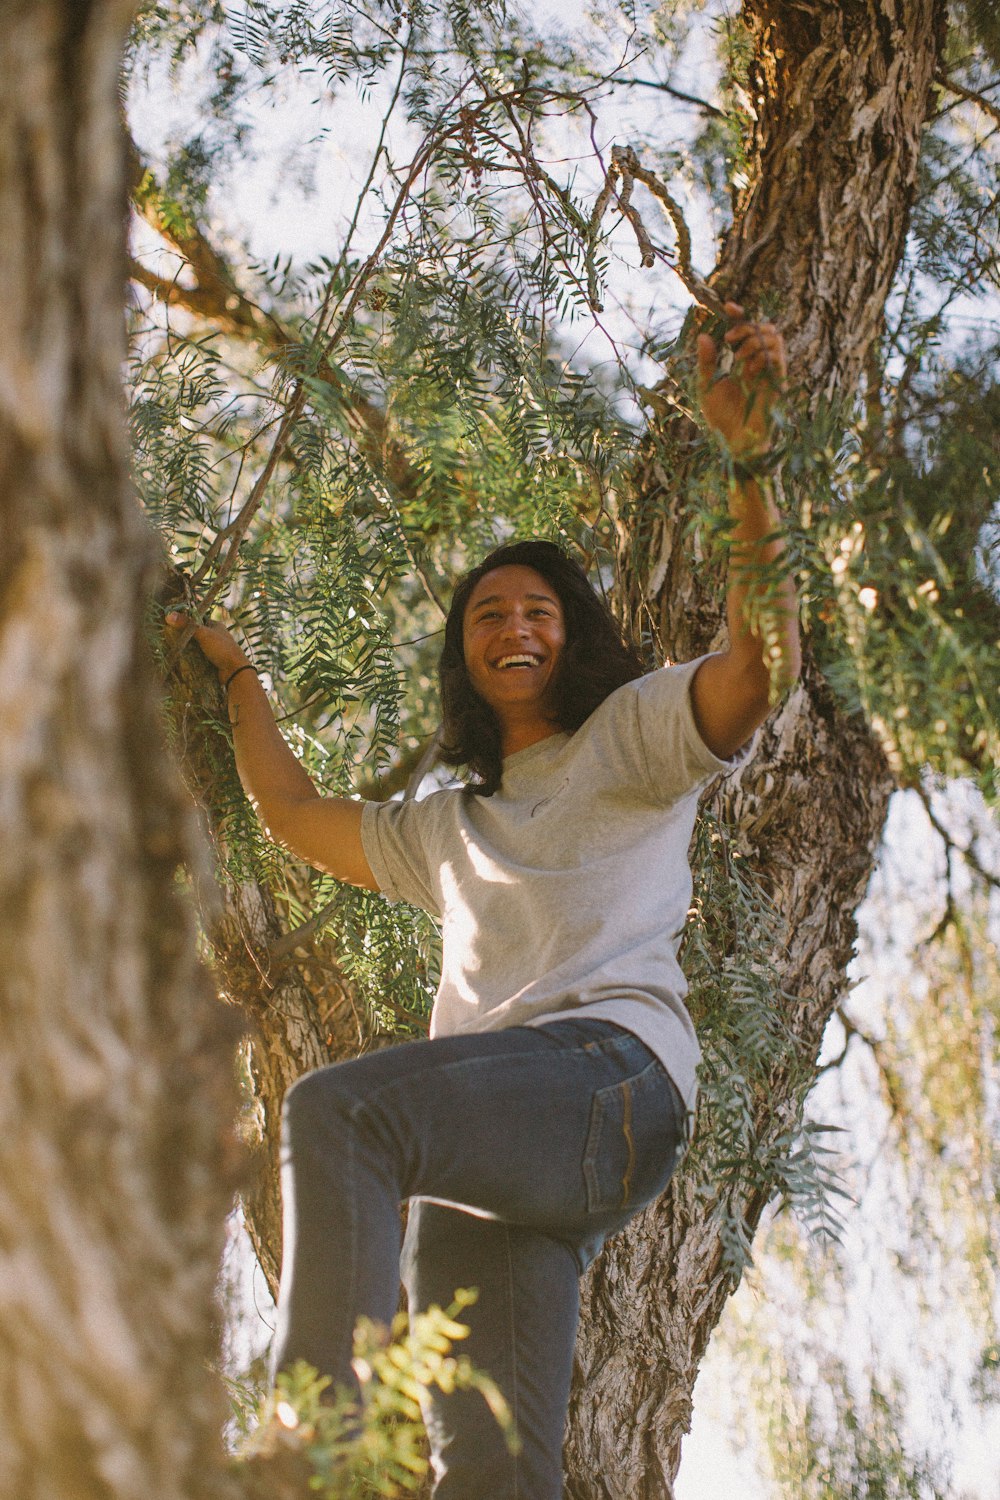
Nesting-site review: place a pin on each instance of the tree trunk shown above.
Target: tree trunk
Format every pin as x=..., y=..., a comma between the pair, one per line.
x=841, y=93
x=115, y=1076
x=303, y=1016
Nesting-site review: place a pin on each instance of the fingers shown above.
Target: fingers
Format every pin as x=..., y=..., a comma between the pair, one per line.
x=759, y=347
x=754, y=338
x=218, y=644
x=177, y=619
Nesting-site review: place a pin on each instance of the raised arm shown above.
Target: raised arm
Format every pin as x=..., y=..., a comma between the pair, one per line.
x=731, y=691
x=323, y=831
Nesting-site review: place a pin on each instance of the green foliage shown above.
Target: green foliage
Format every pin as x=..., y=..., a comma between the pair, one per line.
x=730, y=953
x=391, y=953
x=955, y=239
x=897, y=584
x=826, y=1443
x=980, y=21
x=176, y=26
x=368, y=1443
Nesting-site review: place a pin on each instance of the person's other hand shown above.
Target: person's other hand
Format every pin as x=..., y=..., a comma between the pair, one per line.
x=738, y=405
x=218, y=644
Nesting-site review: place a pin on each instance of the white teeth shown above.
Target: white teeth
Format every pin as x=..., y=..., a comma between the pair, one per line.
x=517, y=661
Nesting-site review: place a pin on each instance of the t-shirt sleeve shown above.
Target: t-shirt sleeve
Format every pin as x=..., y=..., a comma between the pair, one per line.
x=677, y=760
x=397, y=837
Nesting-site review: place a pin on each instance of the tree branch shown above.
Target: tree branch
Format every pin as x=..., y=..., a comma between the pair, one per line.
x=219, y=299
x=952, y=846
x=986, y=105
x=299, y=935
x=231, y=311
x=668, y=88
x=625, y=166
x=851, y=1030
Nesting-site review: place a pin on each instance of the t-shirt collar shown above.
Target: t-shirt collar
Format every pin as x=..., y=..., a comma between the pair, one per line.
x=532, y=757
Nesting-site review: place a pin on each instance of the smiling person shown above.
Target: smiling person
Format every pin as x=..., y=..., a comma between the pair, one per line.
x=554, y=1096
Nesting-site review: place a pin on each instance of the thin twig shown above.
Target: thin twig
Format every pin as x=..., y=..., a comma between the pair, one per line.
x=851, y=1030
x=417, y=166
x=302, y=934
x=418, y=567
x=668, y=88
x=380, y=143
x=422, y=1023
x=951, y=844
x=238, y=528
x=986, y=105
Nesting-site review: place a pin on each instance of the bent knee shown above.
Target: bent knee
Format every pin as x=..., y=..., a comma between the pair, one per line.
x=318, y=1102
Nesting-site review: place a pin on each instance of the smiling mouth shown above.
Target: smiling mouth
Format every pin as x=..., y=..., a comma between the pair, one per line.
x=522, y=659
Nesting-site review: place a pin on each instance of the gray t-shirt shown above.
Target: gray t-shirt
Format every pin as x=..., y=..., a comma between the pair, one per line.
x=566, y=892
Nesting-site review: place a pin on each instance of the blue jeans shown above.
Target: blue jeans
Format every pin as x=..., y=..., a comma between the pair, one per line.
x=554, y=1134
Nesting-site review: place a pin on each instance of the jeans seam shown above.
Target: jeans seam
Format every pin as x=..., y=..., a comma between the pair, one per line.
x=349, y=1173
x=371, y=1101
x=359, y=1104
x=629, y=1140
x=515, y=1411
x=598, y=1198
x=582, y=1050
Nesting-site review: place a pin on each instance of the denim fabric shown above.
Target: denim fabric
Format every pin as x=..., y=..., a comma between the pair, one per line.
x=525, y=1148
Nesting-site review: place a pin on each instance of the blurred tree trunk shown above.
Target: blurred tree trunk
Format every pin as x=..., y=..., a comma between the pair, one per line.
x=116, y=1088
x=841, y=93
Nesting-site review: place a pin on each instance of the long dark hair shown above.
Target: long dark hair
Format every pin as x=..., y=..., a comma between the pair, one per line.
x=595, y=660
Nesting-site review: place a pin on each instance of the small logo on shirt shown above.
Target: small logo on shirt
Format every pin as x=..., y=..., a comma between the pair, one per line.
x=552, y=795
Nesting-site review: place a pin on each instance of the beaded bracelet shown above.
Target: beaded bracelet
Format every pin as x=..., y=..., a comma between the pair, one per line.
x=246, y=668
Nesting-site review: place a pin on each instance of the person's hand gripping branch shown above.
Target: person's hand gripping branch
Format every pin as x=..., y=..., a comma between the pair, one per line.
x=218, y=644
x=738, y=405
x=734, y=689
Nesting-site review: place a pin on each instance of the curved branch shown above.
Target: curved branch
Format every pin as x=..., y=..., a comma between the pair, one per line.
x=952, y=846
x=986, y=105
x=625, y=165
x=667, y=88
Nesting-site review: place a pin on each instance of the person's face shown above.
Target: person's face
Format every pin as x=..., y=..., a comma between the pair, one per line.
x=513, y=635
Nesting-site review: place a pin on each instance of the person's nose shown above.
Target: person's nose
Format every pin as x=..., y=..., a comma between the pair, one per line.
x=515, y=627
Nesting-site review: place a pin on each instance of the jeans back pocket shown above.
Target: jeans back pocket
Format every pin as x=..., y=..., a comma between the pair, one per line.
x=633, y=1139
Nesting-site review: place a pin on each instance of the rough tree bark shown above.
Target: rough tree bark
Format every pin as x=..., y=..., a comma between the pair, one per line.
x=841, y=92
x=116, y=1079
